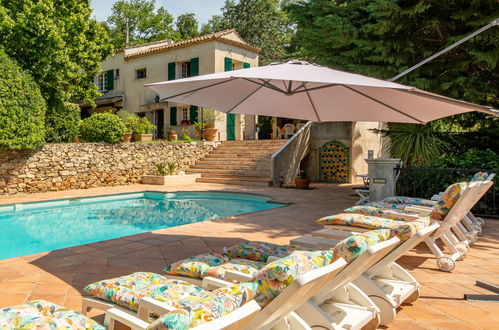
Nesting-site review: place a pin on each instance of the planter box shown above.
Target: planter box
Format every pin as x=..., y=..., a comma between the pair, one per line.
x=142, y=137
x=170, y=179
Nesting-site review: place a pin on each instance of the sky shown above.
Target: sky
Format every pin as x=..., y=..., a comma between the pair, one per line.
x=203, y=9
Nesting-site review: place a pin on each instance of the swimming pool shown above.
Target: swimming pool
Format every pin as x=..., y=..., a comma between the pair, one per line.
x=44, y=226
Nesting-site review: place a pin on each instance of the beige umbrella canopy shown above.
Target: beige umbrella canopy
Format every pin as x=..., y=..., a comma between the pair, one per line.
x=306, y=91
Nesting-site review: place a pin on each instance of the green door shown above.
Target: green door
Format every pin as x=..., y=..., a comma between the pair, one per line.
x=231, y=118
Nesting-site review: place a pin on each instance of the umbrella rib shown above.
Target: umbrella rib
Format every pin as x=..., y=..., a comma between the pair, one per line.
x=382, y=103
x=265, y=84
x=244, y=99
x=296, y=91
x=198, y=89
x=311, y=101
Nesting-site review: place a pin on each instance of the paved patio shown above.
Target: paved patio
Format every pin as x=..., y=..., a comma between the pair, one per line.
x=59, y=276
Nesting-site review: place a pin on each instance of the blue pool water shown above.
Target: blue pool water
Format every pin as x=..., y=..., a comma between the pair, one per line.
x=38, y=227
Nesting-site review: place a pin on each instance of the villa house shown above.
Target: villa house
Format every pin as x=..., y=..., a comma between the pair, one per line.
x=125, y=74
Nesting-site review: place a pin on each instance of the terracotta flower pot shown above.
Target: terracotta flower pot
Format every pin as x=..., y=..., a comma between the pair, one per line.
x=142, y=137
x=127, y=137
x=302, y=183
x=210, y=134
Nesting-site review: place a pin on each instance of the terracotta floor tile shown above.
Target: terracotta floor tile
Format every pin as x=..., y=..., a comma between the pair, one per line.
x=12, y=287
x=51, y=288
x=53, y=298
x=8, y=300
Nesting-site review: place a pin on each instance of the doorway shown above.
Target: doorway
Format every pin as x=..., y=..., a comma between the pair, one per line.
x=160, y=123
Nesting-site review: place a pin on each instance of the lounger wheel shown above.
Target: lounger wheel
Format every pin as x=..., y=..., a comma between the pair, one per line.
x=463, y=250
x=387, y=312
x=478, y=229
x=446, y=264
x=413, y=297
x=482, y=222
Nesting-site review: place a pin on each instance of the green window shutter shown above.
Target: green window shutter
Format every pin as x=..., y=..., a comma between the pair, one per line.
x=171, y=71
x=246, y=65
x=194, y=67
x=193, y=114
x=173, y=116
x=110, y=80
x=228, y=64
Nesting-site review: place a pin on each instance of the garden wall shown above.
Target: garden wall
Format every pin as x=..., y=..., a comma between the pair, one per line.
x=85, y=165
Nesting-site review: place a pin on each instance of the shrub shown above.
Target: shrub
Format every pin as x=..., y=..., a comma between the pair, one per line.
x=62, y=122
x=470, y=159
x=22, y=108
x=142, y=126
x=102, y=127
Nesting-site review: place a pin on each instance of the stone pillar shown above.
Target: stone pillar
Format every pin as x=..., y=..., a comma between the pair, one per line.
x=381, y=177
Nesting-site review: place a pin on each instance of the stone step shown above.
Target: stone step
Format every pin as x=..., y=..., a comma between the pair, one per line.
x=235, y=181
x=264, y=177
x=262, y=167
x=230, y=172
x=280, y=142
x=259, y=157
x=229, y=161
x=240, y=151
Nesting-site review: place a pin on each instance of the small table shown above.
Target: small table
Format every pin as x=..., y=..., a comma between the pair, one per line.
x=363, y=192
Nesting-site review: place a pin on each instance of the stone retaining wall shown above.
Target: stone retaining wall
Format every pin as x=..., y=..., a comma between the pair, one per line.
x=85, y=165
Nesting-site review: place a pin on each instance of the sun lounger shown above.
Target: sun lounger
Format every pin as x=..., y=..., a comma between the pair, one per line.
x=40, y=314
x=386, y=283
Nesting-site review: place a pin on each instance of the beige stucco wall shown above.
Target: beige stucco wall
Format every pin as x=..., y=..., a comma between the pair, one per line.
x=362, y=141
x=211, y=59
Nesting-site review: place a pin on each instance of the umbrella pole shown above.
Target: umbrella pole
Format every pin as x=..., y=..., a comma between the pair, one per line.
x=202, y=125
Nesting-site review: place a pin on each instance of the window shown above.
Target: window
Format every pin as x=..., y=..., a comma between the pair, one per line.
x=186, y=70
x=140, y=74
x=102, y=82
x=116, y=73
x=141, y=114
x=185, y=114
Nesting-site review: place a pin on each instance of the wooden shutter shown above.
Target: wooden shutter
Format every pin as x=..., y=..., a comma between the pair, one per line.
x=173, y=116
x=228, y=64
x=171, y=71
x=193, y=114
x=110, y=80
x=246, y=65
x=194, y=68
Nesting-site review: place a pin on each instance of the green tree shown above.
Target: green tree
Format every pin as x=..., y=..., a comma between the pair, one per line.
x=187, y=26
x=22, y=108
x=382, y=38
x=60, y=45
x=145, y=23
x=260, y=22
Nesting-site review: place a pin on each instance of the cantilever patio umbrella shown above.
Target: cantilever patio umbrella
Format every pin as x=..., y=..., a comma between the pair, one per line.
x=306, y=91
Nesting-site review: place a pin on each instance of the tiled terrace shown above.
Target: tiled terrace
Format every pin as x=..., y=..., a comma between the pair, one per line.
x=59, y=276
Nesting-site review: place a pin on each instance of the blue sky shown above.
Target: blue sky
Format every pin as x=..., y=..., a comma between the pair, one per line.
x=203, y=9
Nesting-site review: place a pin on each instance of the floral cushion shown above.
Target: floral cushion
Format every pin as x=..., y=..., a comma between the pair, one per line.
x=353, y=246
x=386, y=205
x=196, y=266
x=480, y=176
x=285, y=250
x=254, y=250
x=201, y=309
x=127, y=290
x=277, y=275
x=380, y=212
x=246, y=266
x=409, y=229
x=359, y=220
x=406, y=200
x=41, y=314
x=447, y=200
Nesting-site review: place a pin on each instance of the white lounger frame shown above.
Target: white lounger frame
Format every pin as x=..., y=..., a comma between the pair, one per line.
x=386, y=283
x=238, y=319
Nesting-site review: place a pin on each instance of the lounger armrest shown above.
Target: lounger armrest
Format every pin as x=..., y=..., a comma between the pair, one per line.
x=404, y=216
x=429, y=202
x=149, y=305
x=211, y=283
x=114, y=314
x=422, y=211
x=235, y=276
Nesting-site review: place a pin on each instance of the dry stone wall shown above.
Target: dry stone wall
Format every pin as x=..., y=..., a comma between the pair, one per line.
x=84, y=165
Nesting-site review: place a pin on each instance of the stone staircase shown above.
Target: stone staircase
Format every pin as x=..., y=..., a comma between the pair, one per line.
x=238, y=162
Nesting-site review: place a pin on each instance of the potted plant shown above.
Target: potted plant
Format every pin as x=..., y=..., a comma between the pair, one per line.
x=210, y=132
x=199, y=127
x=301, y=180
x=142, y=131
x=171, y=134
x=129, y=119
x=167, y=173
